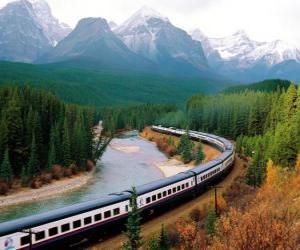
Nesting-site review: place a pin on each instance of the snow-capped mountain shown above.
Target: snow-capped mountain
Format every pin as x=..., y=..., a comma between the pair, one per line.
x=92, y=44
x=153, y=36
x=22, y=38
x=112, y=25
x=242, y=58
x=27, y=30
x=53, y=29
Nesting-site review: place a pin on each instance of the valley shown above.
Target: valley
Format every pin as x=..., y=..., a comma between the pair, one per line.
x=134, y=127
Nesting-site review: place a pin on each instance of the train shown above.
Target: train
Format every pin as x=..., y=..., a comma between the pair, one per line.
x=58, y=228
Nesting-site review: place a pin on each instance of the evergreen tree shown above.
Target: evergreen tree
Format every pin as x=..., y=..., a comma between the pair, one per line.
x=33, y=163
x=289, y=102
x=3, y=138
x=185, y=147
x=51, y=156
x=210, y=223
x=24, y=176
x=66, y=145
x=153, y=244
x=15, y=134
x=163, y=239
x=133, y=225
x=200, y=156
x=6, y=173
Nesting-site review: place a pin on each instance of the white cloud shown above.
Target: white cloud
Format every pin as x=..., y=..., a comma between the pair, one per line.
x=262, y=19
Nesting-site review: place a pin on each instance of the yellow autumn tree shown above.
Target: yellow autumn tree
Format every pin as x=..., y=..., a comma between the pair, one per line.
x=271, y=174
x=298, y=164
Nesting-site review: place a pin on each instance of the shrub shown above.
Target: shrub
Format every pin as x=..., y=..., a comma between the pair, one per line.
x=195, y=215
x=4, y=188
x=57, y=172
x=74, y=169
x=46, y=178
x=35, y=183
x=67, y=172
x=90, y=165
x=173, y=235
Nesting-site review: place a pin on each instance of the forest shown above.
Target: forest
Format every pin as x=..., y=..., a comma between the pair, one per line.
x=265, y=125
x=264, y=121
x=38, y=133
x=43, y=138
x=106, y=88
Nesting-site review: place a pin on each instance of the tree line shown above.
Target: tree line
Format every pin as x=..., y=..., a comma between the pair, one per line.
x=38, y=131
x=265, y=125
x=133, y=117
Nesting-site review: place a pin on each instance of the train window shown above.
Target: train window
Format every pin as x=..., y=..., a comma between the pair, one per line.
x=65, y=228
x=116, y=211
x=187, y=185
x=53, y=231
x=107, y=214
x=126, y=208
x=148, y=200
x=164, y=193
x=178, y=188
x=169, y=191
x=40, y=236
x=159, y=196
x=174, y=190
x=77, y=224
x=98, y=217
x=25, y=240
x=153, y=197
x=182, y=186
x=87, y=220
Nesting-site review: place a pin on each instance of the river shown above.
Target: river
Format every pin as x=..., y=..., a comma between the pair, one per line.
x=128, y=161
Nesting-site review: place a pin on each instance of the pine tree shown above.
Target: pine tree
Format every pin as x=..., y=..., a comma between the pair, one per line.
x=24, y=176
x=153, y=244
x=6, y=173
x=185, y=147
x=15, y=134
x=289, y=102
x=3, y=138
x=210, y=223
x=200, y=156
x=51, y=156
x=133, y=225
x=163, y=239
x=66, y=145
x=33, y=163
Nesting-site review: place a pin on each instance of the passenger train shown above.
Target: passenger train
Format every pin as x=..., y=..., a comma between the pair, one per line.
x=58, y=227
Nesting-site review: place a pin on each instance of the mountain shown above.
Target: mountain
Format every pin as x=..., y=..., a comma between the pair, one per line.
x=112, y=25
x=27, y=30
x=239, y=57
x=153, y=36
x=92, y=44
x=53, y=29
x=21, y=36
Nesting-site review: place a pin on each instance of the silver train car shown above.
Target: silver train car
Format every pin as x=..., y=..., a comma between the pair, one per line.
x=57, y=228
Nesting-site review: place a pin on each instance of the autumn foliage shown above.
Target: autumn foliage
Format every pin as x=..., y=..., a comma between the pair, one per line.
x=270, y=221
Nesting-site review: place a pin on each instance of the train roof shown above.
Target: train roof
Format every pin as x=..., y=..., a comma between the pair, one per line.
x=163, y=182
x=60, y=213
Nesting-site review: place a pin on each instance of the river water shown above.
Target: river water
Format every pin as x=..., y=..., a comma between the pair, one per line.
x=128, y=161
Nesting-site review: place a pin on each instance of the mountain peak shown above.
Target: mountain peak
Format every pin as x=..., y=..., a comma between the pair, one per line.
x=240, y=33
x=147, y=12
x=198, y=35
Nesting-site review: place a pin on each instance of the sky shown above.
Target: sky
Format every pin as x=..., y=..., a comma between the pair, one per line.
x=263, y=20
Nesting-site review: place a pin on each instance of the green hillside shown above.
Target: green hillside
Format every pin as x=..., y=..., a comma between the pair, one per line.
x=271, y=85
x=106, y=88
